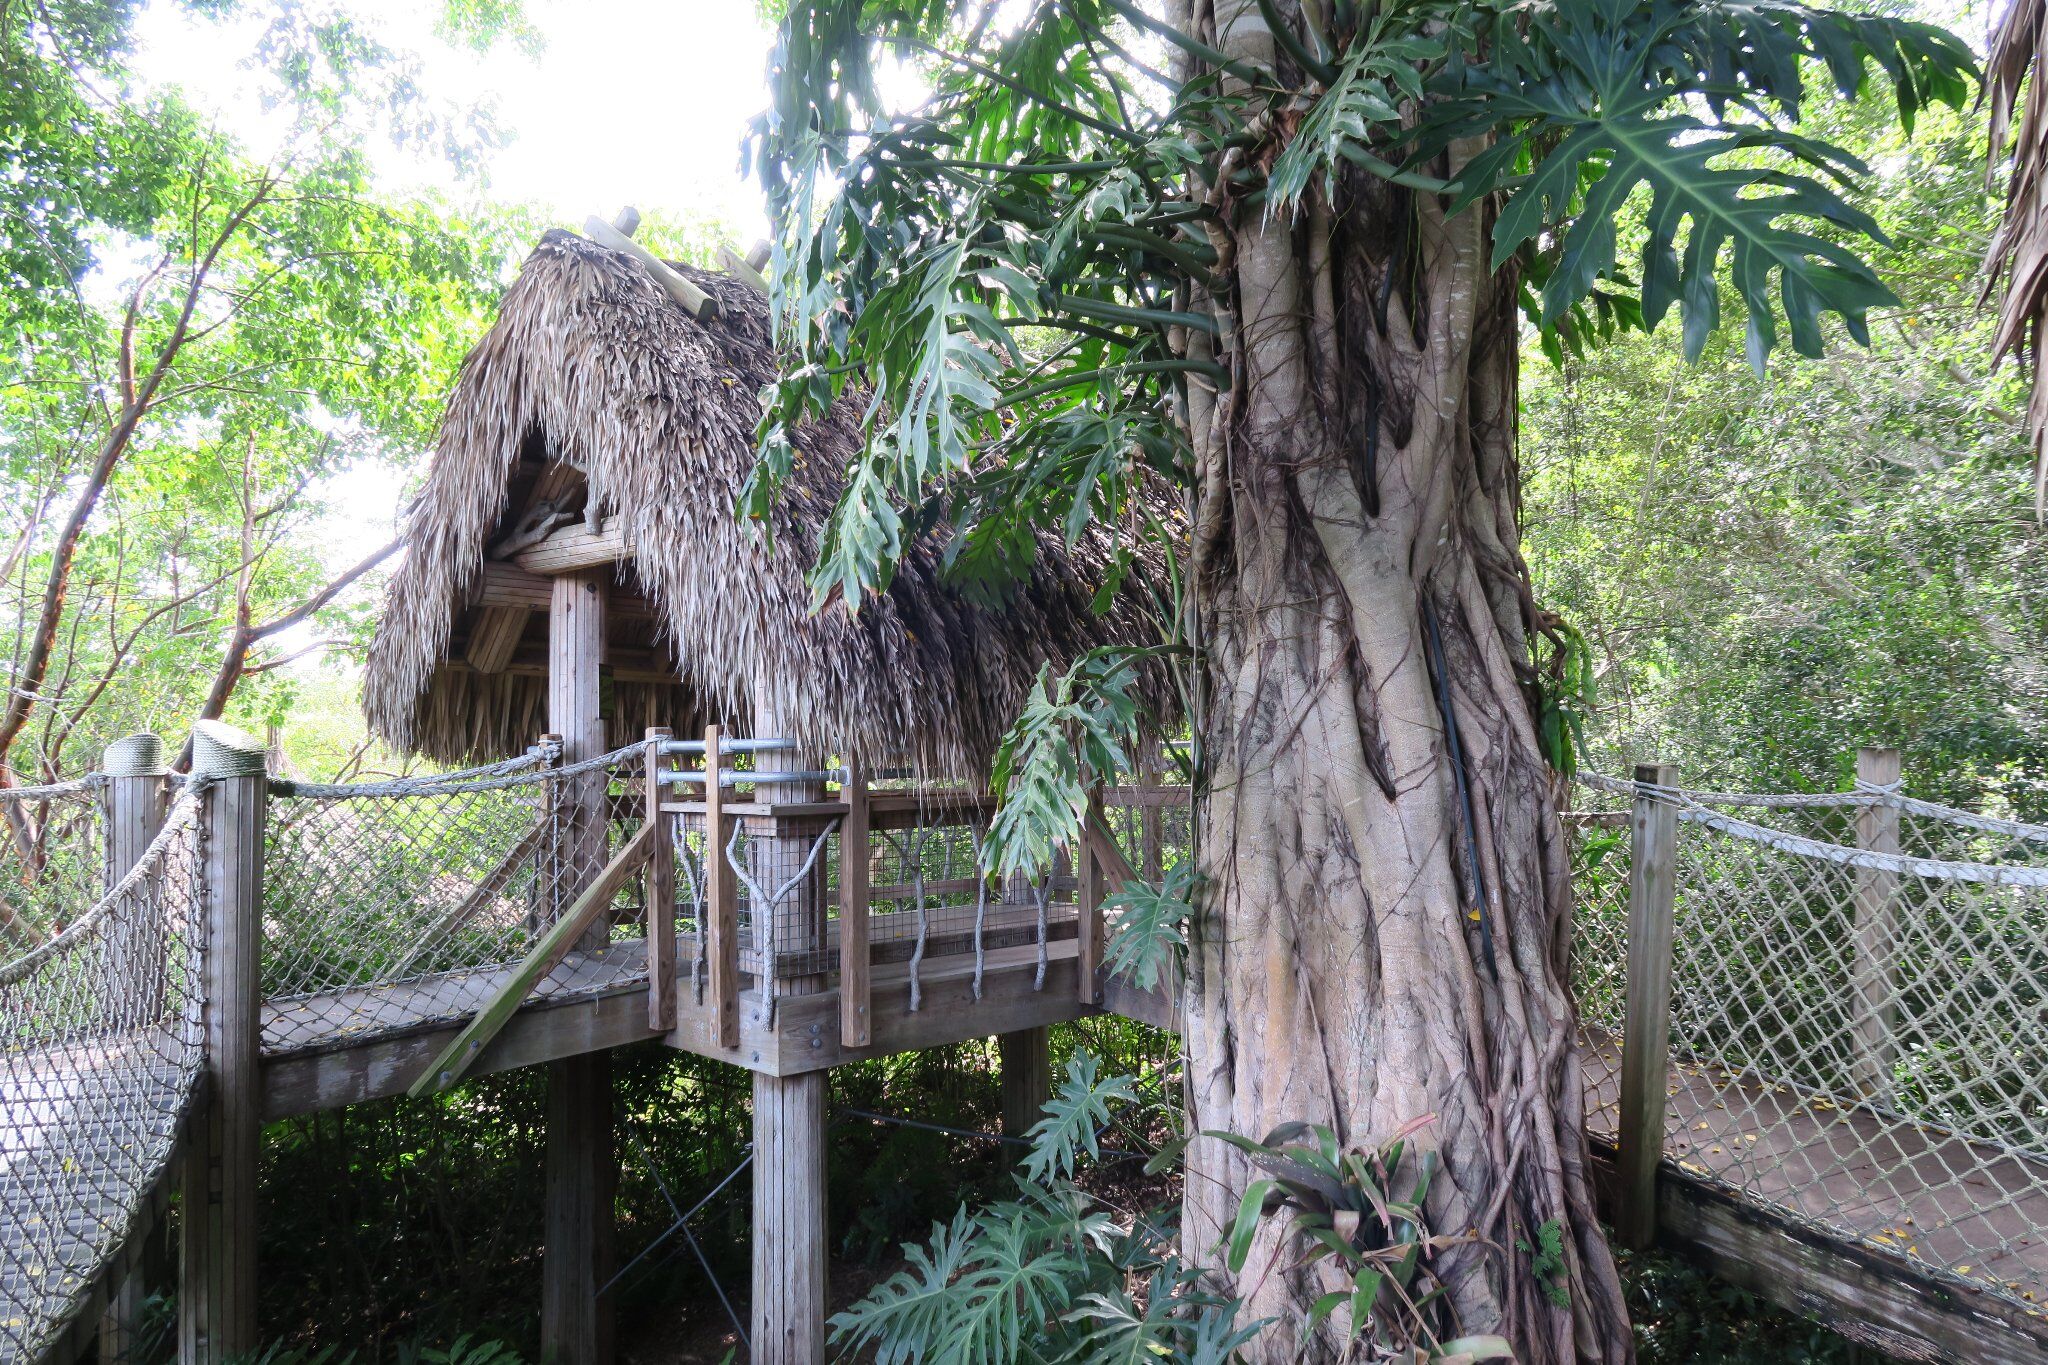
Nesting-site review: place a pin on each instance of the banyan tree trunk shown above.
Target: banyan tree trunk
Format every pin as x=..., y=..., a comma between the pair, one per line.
x=1386, y=904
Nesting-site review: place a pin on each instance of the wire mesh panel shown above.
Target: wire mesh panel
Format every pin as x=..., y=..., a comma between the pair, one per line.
x=53, y=858
x=1599, y=842
x=100, y=1045
x=1857, y=1040
x=392, y=905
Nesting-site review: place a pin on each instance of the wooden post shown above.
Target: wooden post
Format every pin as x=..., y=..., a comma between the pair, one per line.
x=855, y=988
x=1088, y=913
x=135, y=962
x=136, y=799
x=1873, y=983
x=1026, y=1066
x=1646, y=1036
x=788, y=1326
x=575, y=1326
x=661, y=891
x=721, y=902
x=575, y=1322
x=575, y=664
x=217, y=1272
x=1151, y=820
x=789, y=1294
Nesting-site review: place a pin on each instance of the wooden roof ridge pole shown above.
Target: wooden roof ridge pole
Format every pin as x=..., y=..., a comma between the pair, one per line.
x=695, y=301
x=855, y=975
x=743, y=269
x=721, y=903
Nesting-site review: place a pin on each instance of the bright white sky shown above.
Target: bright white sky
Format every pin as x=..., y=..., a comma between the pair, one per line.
x=629, y=102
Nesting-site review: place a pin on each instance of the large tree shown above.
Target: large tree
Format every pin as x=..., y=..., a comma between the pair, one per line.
x=1277, y=255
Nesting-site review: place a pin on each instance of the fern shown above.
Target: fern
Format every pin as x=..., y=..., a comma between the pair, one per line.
x=1546, y=1263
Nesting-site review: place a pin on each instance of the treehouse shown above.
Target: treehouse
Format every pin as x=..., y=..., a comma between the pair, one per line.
x=766, y=818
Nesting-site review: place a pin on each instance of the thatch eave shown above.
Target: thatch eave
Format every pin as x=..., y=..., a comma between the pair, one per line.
x=591, y=365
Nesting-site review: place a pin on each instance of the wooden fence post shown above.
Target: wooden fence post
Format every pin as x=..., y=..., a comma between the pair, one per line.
x=661, y=890
x=1646, y=1033
x=1089, y=878
x=721, y=903
x=217, y=1272
x=135, y=960
x=855, y=987
x=1873, y=985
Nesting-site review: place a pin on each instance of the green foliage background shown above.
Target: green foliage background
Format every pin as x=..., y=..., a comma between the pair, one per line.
x=1772, y=571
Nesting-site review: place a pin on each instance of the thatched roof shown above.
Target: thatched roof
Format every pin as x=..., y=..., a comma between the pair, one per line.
x=592, y=365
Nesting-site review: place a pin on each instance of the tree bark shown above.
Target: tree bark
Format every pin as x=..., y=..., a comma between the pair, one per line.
x=1386, y=905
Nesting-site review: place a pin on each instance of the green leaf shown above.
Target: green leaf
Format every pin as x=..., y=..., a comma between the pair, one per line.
x=1249, y=1211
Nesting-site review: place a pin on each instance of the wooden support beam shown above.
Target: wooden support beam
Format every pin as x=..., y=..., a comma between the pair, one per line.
x=789, y=1220
x=855, y=1029
x=577, y=1223
x=741, y=269
x=582, y=1173
x=1874, y=983
x=1026, y=1066
x=136, y=801
x=1646, y=1037
x=576, y=548
x=590, y=907
x=217, y=1272
x=495, y=636
x=508, y=585
x=661, y=891
x=721, y=906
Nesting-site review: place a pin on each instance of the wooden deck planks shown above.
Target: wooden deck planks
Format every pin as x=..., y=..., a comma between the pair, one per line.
x=1923, y=1195
x=344, y=1018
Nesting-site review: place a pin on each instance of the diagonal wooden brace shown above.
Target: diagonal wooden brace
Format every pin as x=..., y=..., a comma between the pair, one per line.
x=461, y=1054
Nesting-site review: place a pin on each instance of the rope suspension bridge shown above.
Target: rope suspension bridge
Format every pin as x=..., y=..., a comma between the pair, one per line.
x=1812, y=1025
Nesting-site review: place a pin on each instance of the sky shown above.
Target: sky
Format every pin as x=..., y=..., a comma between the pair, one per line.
x=627, y=102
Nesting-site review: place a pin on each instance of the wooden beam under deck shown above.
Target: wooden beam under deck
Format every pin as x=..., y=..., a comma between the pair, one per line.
x=349, y=1069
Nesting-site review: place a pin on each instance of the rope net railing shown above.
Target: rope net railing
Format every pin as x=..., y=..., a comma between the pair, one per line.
x=53, y=859
x=100, y=1048
x=404, y=903
x=1856, y=1035
x=396, y=904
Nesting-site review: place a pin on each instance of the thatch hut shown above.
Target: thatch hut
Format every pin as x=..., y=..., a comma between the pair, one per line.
x=600, y=433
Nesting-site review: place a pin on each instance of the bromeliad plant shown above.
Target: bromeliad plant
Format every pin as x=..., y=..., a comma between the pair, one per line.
x=1341, y=1207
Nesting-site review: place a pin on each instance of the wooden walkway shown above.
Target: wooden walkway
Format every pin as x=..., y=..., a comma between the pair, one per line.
x=1937, y=1206
x=348, y=1018
x=1913, y=1206
x=78, y=1130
